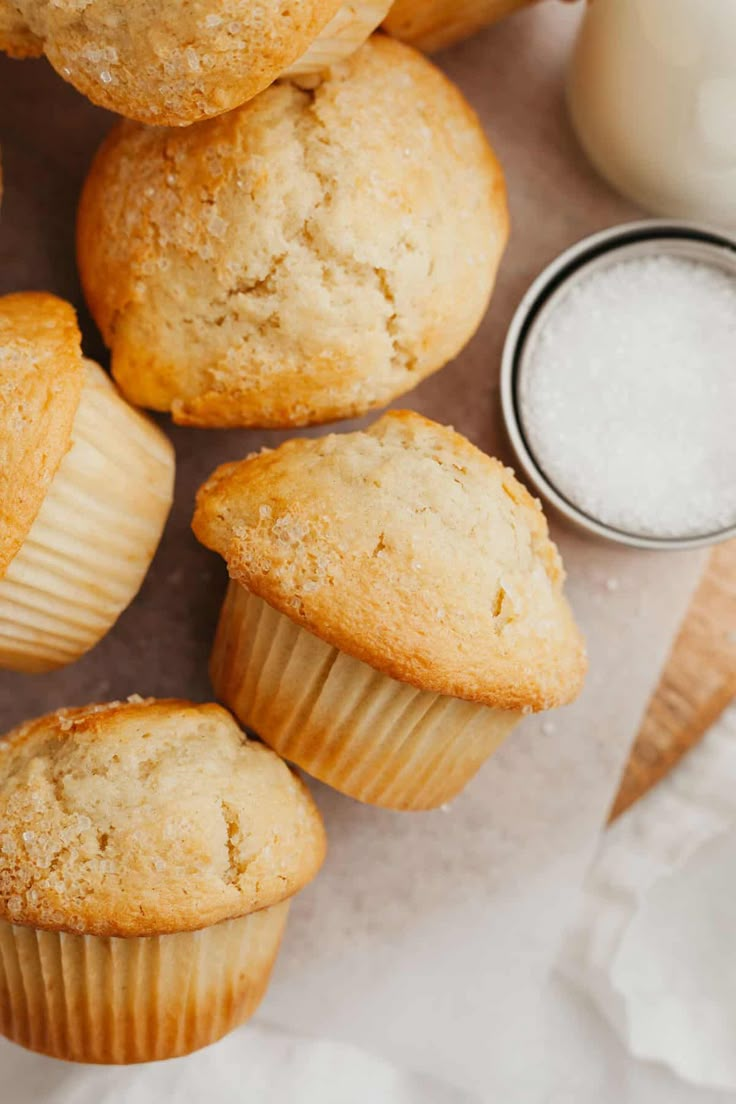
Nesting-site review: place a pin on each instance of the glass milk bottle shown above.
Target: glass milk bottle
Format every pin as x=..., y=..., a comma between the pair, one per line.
x=652, y=95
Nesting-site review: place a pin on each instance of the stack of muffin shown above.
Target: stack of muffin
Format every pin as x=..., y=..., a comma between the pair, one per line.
x=313, y=226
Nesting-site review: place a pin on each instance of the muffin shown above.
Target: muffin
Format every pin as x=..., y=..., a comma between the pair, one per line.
x=86, y=485
x=189, y=60
x=395, y=605
x=148, y=853
x=433, y=24
x=296, y=260
x=16, y=37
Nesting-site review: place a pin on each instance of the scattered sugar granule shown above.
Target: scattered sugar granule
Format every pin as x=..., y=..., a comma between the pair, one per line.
x=217, y=226
x=628, y=396
x=8, y=846
x=192, y=59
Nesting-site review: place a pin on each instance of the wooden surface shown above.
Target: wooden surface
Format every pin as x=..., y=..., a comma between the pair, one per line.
x=698, y=682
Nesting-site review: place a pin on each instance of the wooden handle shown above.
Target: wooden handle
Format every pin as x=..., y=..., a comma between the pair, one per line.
x=698, y=682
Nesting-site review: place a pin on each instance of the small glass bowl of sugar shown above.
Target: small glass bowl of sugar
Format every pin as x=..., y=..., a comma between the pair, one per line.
x=618, y=385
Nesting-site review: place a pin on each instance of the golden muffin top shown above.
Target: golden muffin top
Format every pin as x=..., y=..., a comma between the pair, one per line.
x=147, y=817
x=167, y=64
x=16, y=38
x=408, y=548
x=41, y=378
x=303, y=258
x=435, y=24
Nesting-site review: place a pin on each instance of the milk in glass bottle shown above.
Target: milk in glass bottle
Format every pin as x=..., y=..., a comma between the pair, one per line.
x=652, y=95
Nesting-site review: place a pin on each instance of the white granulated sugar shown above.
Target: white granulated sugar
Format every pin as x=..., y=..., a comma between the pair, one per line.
x=628, y=397
x=192, y=59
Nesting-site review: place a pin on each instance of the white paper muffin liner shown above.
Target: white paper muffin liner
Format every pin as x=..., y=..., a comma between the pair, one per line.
x=88, y=998
x=92, y=542
x=347, y=30
x=369, y=736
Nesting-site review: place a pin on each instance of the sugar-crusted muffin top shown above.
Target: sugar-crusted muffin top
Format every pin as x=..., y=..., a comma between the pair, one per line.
x=407, y=548
x=167, y=65
x=434, y=24
x=16, y=38
x=147, y=817
x=41, y=379
x=303, y=258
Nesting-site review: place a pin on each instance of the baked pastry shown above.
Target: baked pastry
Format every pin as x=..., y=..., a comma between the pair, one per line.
x=16, y=38
x=395, y=606
x=433, y=24
x=148, y=852
x=86, y=485
x=296, y=260
x=195, y=59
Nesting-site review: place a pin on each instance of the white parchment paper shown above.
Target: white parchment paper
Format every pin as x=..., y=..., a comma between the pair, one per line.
x=259, y=1064
x=654, y=943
